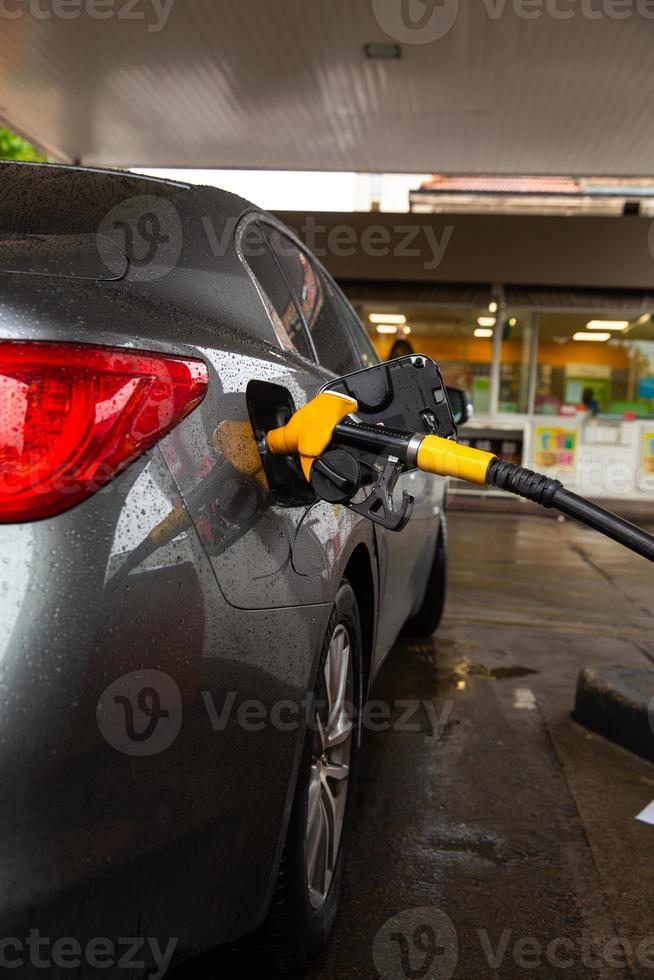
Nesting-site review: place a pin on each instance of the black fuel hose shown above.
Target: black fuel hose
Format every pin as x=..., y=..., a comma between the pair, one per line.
x=551, y=493
x=605, y=521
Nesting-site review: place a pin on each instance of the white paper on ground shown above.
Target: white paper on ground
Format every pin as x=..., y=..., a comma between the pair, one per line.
x=647, y=815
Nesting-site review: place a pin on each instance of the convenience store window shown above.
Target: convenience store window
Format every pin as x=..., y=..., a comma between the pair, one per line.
x=602, y=361
x=518, y=361
x=457, y=338
x=518, y=336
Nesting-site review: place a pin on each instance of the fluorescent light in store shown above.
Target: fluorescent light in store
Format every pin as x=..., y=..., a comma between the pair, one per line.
x=607, y=324
x=486, y=321
x=386, y=328
x=492, y=307
x=387, y=318
x=483, y=332
x=597, y=337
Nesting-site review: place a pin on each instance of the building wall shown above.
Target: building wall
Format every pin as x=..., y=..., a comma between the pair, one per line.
x=601, y=252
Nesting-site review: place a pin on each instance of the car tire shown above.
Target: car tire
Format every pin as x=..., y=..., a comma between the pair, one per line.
x=308, y=888
x=428, y=618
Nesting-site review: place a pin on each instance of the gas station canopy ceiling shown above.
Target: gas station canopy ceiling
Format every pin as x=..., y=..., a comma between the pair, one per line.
x=490, y=86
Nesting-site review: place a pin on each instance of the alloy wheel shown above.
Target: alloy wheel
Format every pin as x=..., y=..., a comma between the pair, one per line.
x=330, y=765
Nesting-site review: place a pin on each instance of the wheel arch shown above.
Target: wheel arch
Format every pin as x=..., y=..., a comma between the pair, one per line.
x=359, y=574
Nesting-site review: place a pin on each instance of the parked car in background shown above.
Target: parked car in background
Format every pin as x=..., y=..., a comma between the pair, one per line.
x=183, y=659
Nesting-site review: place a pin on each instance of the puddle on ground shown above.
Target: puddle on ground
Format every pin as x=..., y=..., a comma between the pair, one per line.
x=418, y=669
x=480, y=846
x=456, y=671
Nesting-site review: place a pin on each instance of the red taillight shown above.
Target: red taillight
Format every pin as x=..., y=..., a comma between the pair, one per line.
x=73, y=416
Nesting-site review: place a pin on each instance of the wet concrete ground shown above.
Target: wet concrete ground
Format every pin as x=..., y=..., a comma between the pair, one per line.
x=500, y=833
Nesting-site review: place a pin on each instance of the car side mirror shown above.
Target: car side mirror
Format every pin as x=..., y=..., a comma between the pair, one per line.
x=460, y=404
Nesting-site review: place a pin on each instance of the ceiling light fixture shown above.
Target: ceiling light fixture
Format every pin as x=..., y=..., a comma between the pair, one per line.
x=607, y=324
x=483, y=332
x=597, y=337
x=486, y=321
x=492, y=307
x=387, y=318
x=386, y=328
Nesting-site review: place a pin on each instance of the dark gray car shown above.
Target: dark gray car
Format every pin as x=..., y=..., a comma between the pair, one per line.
x=183, y=659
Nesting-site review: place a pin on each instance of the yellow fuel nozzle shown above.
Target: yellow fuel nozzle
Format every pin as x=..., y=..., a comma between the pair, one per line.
x=446, y=458
x=310, y=430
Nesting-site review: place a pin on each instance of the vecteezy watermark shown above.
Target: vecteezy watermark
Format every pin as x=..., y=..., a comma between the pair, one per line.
x=147, y=230
x=420, y=944
x=423, y=944
x=426, y=21
x=408, y=715
x=401, y=241
x=567, y=9
x=416, y=21
x=140, y=713
x=67, y=953
x=343, y=241
x=564, y=952
x=614, y=479
x=153, y=13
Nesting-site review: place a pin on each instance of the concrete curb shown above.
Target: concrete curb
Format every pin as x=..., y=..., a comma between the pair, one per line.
x=618, y=702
